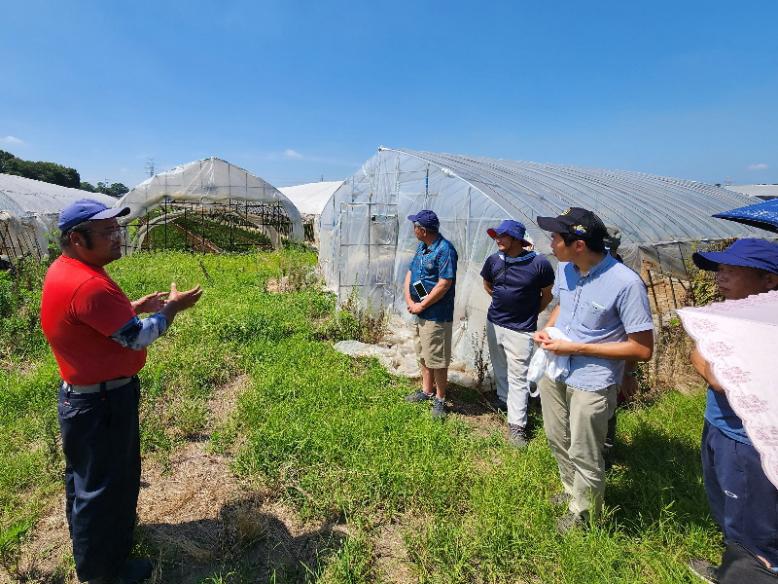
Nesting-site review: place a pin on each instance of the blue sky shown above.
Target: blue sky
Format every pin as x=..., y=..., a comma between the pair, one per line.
x=295, y=90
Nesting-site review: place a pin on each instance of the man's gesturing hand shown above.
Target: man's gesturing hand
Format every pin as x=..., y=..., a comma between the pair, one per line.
x=178, y=301
x=183, y=300
x=150, y=303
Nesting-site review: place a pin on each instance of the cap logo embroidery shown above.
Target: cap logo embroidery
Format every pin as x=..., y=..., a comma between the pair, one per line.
x=579, y=229
x=566, y=211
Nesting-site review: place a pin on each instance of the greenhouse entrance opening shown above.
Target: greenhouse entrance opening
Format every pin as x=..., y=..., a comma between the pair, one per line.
x=368, y=246
x=228, y=226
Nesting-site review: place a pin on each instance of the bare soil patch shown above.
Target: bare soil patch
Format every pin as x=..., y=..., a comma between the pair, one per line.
x=392, y=563
x=199, y=520
x=476, y=411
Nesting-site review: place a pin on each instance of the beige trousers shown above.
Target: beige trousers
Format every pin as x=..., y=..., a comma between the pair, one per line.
x=576, y=422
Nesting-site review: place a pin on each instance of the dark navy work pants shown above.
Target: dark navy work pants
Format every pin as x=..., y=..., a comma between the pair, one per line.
x=742, y=500
x=101, y=442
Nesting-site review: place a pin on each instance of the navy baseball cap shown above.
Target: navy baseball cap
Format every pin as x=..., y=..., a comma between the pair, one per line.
x=426, y=218
x=575, y=221
x=87, y=210
x=510, y=227
x=748, y=253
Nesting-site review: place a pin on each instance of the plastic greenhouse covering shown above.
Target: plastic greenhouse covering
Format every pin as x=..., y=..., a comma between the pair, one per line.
x=311, y=198
x=367, y=243
x=29, y=210
x=208, y=182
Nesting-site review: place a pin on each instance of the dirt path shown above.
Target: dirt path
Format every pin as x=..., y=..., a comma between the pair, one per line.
x=199, y=521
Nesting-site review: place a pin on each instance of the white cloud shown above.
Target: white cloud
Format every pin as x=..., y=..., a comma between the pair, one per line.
x=292, y=154
x=758, y=166
x=11, y=141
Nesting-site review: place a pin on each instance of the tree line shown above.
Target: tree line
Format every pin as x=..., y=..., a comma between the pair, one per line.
x=57, y=174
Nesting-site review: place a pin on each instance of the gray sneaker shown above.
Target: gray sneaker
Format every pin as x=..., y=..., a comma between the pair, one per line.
x=418, y=396
x=517, y=436
x=559, y=499
x=571, y=521
x=704, y=570
x=439, y=409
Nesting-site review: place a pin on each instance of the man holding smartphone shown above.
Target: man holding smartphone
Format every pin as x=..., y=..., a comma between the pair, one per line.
x=429, y=293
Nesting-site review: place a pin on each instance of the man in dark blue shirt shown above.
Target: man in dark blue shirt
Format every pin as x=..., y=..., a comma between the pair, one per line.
x=742, y=499
x=519, y=282
x=429, y=293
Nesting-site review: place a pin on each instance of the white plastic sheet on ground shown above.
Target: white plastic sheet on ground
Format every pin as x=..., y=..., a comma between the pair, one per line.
x=366, y=241
x=29, y=210
x=397, y=354
x=739, y=338
x=210, y=181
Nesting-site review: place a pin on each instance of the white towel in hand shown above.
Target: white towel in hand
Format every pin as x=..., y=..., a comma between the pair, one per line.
x=543, y=362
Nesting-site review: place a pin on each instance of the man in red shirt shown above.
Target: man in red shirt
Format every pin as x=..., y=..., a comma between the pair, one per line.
x=100, y=343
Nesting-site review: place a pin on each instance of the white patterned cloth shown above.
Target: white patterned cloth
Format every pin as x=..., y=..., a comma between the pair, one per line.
x=739, y=338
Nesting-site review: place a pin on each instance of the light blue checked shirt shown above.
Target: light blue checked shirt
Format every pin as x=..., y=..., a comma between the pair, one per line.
x=604, y=306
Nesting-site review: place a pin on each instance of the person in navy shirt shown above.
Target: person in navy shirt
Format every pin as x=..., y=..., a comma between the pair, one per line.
x=519, y=282
x=742, y=500
x=430, y=286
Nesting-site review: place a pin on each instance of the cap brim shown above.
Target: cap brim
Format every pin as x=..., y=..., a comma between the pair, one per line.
x=710, y=260
x=111, y=213
x=702, y=261
x=493, y=233
x=552, y=224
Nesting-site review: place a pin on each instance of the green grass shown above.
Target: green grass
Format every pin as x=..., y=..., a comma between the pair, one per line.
x=332, y=436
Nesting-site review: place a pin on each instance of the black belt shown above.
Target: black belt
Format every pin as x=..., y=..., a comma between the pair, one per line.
x=97, y=387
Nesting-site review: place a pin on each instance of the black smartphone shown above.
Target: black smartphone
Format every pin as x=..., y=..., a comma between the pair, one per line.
x=421, y=291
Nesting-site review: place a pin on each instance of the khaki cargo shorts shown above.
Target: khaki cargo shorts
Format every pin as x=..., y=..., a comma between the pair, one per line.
x=433, y=343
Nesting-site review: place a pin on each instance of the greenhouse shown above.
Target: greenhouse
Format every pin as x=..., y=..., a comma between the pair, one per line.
x=208, y=205
x=28, y=213
x=310, y=200
x=367, y=243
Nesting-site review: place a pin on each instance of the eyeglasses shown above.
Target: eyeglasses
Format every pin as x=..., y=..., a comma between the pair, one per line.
x=110, y=233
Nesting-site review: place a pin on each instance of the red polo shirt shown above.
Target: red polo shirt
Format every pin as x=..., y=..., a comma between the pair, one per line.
x=81, y=308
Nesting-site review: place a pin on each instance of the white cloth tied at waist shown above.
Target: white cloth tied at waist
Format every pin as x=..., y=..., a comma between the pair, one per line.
x=543, y=362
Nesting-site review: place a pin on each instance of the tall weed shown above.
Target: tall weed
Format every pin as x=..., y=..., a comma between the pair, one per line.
x=20, y=336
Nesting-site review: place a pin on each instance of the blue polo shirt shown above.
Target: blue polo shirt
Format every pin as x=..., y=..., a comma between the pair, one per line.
x=604, y=306
x=516, y=284
x=430, y=264
x=719, y=413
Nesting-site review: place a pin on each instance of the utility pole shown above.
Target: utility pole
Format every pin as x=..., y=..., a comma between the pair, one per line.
x=150, y=170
